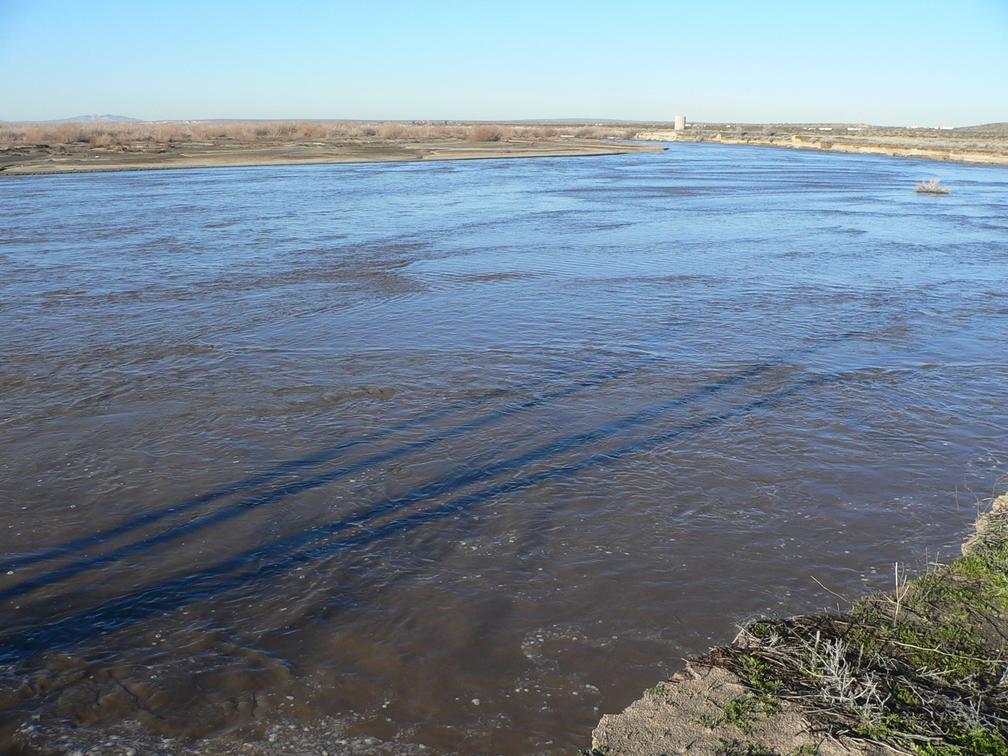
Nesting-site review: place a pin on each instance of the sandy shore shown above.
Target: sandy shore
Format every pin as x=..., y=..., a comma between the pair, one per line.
x=925, y=667
x=42, y=159
x=924, y=146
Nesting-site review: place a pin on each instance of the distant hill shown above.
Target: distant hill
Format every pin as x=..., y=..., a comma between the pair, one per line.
x=987, y=128
x=88, y=119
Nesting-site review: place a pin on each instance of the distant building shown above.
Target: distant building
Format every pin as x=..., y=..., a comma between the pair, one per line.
x=680, y=123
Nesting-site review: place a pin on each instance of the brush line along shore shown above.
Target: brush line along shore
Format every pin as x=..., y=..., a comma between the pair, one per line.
x=77, y=148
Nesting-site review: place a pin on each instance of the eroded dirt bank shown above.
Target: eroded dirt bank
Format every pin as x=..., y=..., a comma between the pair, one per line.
x=921, y=670
x=926, y=145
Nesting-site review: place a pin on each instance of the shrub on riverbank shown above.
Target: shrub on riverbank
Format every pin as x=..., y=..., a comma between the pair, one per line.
x=115, y=134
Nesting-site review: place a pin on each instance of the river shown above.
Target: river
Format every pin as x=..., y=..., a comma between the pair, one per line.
x=466, y=454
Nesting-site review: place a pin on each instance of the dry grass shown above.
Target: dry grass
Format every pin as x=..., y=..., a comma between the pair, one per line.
x=486, y=134
x=142, y=136
x=931, y=186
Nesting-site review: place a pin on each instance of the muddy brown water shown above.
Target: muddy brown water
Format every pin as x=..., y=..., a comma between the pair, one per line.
x=468, y=454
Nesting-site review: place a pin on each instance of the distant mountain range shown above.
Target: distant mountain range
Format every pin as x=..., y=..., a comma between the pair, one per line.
x=88, y=119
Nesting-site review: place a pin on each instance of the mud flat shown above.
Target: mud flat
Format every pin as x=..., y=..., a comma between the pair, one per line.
x=923, y=669
x=35, y=159
x=970, y=145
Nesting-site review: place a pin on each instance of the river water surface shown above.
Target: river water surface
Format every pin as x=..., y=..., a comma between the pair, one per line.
x=467, y=454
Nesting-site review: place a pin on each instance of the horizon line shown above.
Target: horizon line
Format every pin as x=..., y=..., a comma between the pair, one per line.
x=110, y=118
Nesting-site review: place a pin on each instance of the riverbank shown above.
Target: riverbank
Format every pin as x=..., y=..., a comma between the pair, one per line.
x=45, y=159
x=980, y=148
x=112, y=146
x=923, y=669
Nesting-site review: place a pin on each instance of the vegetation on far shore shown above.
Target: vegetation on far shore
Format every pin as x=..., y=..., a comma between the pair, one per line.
x=116, y=144
x=149, y=135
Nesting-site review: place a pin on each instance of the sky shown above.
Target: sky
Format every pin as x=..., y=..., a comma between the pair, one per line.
x=887, y=62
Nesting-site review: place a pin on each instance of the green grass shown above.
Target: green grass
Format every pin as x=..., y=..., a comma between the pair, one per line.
x=766, y=689
x=738, y=748
x=656, y=693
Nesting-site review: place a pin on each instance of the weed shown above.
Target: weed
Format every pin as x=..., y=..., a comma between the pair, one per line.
x=738, y=748
x=655, y=693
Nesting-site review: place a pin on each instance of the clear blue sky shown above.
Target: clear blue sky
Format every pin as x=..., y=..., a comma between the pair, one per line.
x=922, y=62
